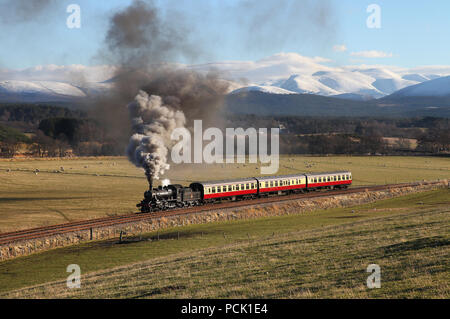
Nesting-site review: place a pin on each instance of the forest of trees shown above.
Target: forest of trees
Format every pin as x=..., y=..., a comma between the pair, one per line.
x=351, y=135
x=43, y=130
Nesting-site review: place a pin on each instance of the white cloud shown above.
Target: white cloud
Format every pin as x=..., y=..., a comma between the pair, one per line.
x=372, y=54
x=339, y=48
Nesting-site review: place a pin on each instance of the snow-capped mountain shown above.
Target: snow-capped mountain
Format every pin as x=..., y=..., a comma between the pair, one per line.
x=282, y=73
x=438, y=87
x=34, y=87
x=296, y=73
x=45, y=91
x=264, y=89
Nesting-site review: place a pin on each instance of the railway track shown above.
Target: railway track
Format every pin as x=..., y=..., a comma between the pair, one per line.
x=40, y=232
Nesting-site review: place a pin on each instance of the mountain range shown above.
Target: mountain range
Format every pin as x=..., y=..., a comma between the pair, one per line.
x=283, y=74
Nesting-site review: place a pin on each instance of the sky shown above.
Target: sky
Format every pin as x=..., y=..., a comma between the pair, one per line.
x=412, y=33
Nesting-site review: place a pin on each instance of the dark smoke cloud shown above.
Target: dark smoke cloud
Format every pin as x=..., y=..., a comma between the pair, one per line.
x=140, y=35
x=19, y=11
x=140, y=41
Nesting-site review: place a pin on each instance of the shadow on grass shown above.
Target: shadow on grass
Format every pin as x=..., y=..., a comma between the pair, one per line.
x=160, y=291
x=417, y=244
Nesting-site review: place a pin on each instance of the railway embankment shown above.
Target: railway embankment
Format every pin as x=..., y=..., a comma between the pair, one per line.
x=137, y=228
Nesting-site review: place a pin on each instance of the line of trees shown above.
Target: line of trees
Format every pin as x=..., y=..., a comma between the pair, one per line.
x=64, y=136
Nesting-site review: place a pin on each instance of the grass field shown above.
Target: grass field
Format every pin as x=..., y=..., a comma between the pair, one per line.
x=318, y=254
x=96, y=187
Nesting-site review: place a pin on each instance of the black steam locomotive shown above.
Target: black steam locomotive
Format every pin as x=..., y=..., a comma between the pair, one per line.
x=168, y=197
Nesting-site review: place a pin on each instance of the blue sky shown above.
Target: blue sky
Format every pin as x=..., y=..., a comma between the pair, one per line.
x=412, y=33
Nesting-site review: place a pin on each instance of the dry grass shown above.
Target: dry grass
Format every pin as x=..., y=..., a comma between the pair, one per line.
x=96, y=187
x=410, y=245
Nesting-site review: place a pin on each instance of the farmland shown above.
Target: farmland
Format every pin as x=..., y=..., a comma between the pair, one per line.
x=322, y=254
x=38, y=192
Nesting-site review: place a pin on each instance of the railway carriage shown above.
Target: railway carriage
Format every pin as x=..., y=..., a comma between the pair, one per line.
x=329, y=180
x=281, y=184
x=227, y=189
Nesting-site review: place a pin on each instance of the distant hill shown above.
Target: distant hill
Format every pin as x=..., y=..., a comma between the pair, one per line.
x=14, y=91
x=255, y=102
x=439, y=87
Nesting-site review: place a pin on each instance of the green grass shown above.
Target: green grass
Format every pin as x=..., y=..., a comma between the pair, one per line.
x=319, y=254
x=97, y=187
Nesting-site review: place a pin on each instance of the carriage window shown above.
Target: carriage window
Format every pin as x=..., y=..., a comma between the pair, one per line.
x=213, y=189
x=346, y=176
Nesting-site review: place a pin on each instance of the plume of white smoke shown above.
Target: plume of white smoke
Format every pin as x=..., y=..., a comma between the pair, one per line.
x=152, y=124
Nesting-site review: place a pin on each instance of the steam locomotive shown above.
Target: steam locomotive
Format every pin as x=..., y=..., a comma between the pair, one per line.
x=200, y=193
